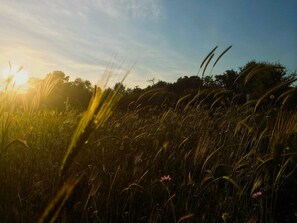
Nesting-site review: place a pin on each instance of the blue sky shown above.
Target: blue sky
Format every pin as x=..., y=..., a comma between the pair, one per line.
x=165, y=39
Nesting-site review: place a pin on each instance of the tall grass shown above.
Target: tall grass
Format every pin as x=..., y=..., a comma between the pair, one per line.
x=218, y=163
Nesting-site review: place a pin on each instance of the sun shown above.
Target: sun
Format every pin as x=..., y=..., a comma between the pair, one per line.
x=16, y=76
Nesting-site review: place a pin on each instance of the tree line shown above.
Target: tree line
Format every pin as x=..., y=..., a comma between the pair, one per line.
x=251, y=82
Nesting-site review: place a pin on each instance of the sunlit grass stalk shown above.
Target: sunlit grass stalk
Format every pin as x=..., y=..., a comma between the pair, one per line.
x=100, y=109
x=7, y=108
x=97, y=114
x=53, y=209
x=44, y=88
x=285, y=125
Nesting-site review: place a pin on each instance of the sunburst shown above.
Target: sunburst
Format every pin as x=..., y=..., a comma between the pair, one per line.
x=16, y=76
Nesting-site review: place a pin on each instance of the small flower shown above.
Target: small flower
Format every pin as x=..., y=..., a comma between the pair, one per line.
x=271, y=97
x=257, y=195
x=165, y=178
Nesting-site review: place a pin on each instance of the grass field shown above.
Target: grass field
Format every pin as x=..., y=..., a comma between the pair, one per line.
x=195, y=164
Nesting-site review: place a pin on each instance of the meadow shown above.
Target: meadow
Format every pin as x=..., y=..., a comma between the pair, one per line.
x=201, y=162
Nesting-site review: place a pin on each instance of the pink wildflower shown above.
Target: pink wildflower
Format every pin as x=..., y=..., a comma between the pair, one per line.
x=257, y=195
x=165, y=178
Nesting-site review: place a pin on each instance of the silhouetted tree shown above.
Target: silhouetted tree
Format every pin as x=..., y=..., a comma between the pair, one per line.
x=80, y=93
x=227, y=81
x=185, y=84
x=257, y=78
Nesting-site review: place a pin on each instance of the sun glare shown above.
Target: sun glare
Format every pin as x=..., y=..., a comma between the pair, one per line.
x=17, y=76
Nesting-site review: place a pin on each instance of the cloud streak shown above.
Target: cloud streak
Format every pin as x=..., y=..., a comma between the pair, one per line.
x=134, y=8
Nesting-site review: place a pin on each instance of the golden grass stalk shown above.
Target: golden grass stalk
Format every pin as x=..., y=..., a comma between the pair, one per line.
x=274, y=89
x=51, y=213
x=7, y=108
x=100, y=109
x=185, y=218
x=44, y=88
x=286, y=124
x=245, y=72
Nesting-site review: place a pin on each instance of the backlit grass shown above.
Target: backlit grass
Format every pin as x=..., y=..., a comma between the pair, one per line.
x=198, y=163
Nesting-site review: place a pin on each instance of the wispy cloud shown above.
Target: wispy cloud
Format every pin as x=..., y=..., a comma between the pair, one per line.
x=146, y=8
x=134, y=8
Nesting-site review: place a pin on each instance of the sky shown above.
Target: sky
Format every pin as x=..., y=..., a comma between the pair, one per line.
x=162, y=39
